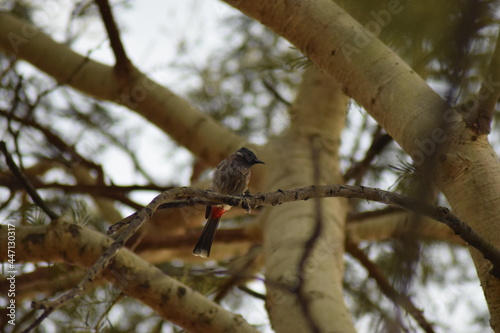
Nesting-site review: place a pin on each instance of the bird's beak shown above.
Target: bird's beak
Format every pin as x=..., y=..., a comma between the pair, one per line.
x=257, y=161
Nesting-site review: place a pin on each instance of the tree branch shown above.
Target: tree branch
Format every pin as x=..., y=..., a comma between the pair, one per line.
x=269, y=86
x=53, y=138
x=172, y=114
x=380, y=81
x=440, y=214
x=371, y=73
x=479, y=117
x=123, y=63
x=129, y=226
x=25, y=182
x=356, y=171
x=169, y=298
x=397, y=298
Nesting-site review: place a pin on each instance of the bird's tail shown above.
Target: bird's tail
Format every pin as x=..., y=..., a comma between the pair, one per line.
x=204, y=244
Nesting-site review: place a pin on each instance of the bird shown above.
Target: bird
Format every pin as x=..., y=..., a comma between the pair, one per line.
x=230, y=177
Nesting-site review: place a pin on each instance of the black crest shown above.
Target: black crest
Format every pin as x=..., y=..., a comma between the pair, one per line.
x=249, y=156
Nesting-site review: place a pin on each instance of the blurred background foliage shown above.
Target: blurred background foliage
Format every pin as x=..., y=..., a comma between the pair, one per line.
x=247, y=85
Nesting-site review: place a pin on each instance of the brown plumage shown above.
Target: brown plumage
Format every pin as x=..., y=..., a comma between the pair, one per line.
x=230, y=177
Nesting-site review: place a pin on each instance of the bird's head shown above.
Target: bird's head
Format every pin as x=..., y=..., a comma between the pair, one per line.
x=248, y=156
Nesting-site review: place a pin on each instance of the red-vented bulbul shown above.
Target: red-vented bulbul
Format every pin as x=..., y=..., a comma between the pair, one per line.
x=230, y=177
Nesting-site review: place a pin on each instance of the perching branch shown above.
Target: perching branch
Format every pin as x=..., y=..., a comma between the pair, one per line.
x=129, y=225
x=438, y=213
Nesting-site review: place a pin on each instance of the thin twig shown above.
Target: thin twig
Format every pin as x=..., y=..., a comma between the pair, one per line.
x=25, y=182
x=479, y=117
x=397, y=298
x=119, y=141
x=122, y=61
x=52, y=137
x=37, y=322
x=251, y=292
x=241, y=270
x=357, y=170
x=268, y=85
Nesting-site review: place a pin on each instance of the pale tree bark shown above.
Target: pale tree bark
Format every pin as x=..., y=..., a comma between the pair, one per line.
x=468, y=171
x=172, y=300
x=171, y=113
x=306, y=296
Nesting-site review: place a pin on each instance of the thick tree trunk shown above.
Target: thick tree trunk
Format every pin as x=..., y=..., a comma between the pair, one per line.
x=409, y=110
x=470, y=180
x=307, y=295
